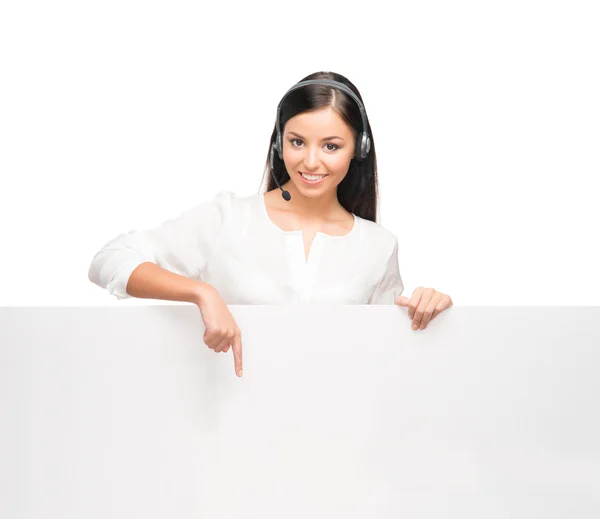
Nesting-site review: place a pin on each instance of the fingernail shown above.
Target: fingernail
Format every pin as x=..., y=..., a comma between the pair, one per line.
x=240, y=373
x=414, y=326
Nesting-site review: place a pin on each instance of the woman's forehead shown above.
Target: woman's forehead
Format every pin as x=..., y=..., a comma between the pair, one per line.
x=322, y=122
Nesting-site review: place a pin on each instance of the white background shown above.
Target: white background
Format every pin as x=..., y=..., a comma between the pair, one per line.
x=342, y=412
x=120, y=114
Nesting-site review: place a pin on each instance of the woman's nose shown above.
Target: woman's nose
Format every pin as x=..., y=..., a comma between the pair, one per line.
x=311, y=158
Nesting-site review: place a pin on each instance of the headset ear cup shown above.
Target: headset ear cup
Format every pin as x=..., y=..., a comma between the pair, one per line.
x=363, y=145
x=272, y=156
x=279, y=147
x=358, y=148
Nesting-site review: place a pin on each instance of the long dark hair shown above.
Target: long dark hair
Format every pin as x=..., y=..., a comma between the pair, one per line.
x=358, y=192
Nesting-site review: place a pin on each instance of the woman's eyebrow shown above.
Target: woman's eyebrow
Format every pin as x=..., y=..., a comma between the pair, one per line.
x=324, y=138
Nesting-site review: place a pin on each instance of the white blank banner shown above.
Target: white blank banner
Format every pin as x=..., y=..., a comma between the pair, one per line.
x=343, y=412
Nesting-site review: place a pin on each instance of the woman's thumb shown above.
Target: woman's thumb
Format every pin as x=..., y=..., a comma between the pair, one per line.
x=402, y=300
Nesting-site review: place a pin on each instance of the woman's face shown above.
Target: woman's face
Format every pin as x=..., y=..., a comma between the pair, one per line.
x=321, y=145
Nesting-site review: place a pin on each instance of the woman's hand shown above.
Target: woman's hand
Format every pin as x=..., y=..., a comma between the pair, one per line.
x=424, y=305
x=222, y=331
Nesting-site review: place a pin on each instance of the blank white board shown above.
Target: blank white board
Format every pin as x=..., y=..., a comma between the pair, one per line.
x=343, y=412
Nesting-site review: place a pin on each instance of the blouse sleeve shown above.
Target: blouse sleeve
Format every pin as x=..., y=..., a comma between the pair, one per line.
x=182, y=245
x=390, y=285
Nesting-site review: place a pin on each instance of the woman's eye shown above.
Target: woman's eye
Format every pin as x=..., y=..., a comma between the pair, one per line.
x=335, y=146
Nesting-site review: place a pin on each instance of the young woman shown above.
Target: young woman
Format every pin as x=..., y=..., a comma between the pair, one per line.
x=312, y=237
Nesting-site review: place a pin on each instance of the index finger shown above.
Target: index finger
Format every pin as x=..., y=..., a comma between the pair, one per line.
x=237, y=353
x=414, y=303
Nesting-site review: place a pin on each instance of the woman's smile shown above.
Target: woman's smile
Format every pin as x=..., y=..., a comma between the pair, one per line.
x=312, y=179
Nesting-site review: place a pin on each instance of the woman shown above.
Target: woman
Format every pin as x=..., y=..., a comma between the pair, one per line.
x=311, y=238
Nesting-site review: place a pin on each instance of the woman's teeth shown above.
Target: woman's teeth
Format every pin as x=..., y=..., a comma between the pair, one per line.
x=312, y=177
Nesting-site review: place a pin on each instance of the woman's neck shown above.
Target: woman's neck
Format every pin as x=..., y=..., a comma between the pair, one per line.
x=309, y=208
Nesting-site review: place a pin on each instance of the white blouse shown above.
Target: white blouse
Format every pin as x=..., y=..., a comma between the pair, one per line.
x=231, y=243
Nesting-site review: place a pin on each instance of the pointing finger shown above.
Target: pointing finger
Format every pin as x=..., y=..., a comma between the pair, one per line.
x=237, y=353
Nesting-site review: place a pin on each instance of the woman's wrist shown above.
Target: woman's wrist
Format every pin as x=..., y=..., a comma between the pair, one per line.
x=200, y=292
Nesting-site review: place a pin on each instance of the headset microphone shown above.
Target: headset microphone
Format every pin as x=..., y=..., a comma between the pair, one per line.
x=285, y=194
x=363, y=142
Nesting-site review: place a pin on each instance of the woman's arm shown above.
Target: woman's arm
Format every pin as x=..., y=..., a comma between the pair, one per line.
x=149, y=281
x=390, y=285
x=179, y=249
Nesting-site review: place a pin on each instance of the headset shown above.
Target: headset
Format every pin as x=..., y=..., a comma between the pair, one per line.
x=363, y=141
